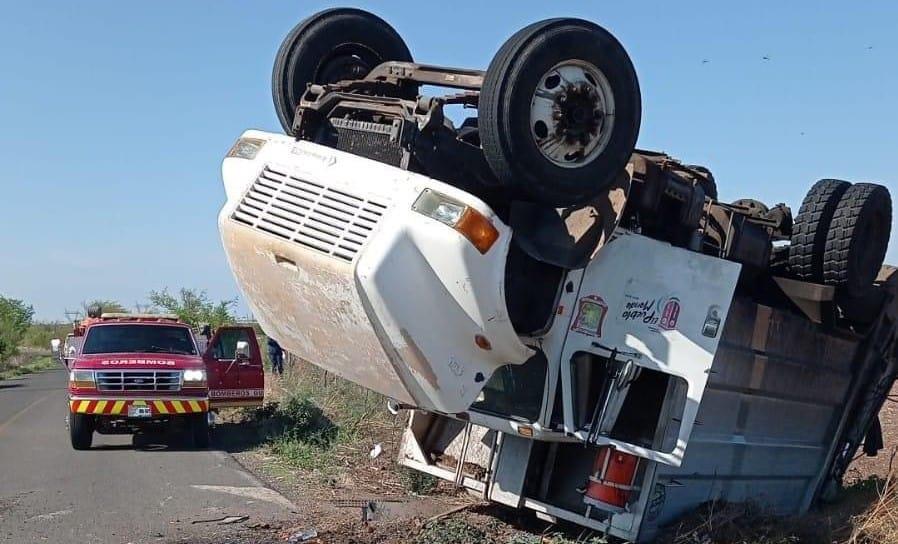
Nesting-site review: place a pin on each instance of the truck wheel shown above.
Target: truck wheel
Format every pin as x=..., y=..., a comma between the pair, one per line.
x=330, y=46
x=858, y=238
x=199, y=430
x=81, y=431
x=808, y=240
x=559, y=111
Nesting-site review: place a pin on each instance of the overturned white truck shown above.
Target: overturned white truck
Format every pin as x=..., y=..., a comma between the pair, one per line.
x=577, y=327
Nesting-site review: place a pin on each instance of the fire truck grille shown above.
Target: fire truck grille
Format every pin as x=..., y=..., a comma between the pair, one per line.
x=139, y=381
x=321, y=218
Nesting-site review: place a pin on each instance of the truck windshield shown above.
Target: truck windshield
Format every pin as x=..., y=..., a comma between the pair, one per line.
x=139, y=339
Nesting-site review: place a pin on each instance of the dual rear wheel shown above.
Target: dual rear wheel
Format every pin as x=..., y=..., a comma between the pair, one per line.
x=841, y=235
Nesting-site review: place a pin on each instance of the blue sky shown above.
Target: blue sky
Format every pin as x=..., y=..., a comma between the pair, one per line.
x=115, y=115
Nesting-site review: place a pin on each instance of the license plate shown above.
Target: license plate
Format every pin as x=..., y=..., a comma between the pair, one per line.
x=139, y=411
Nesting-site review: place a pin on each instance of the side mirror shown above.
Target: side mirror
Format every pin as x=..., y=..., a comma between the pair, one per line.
x=242, y=350
x=55, y=345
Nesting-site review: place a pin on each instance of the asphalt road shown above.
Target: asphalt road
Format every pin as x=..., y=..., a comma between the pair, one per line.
x=151, y=490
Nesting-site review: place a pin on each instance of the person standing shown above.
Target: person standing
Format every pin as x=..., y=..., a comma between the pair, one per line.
x=276, y=356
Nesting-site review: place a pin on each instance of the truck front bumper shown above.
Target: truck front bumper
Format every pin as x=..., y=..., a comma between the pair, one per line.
x=103, y=406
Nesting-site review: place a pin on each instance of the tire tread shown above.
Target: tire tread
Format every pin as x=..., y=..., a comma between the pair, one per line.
x=808, y=241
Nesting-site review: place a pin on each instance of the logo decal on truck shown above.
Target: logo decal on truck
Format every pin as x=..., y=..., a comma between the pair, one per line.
x=657, y=313
x=591, y=312
x=670, y=314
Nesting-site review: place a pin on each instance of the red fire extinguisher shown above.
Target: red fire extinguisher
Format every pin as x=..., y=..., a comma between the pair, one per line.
x=613, y=479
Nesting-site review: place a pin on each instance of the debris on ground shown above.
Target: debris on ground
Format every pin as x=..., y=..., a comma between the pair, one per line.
x=303, y=536
x=225, y=520
x=376, y=451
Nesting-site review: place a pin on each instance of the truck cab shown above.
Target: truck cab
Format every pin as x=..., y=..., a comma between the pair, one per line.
x=138, y=372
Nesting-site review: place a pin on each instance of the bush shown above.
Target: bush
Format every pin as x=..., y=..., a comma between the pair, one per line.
x=297, y=430
x=451, y=531
x=304, y=420
x=15, y=317
x=417, y=482
x=39, y=335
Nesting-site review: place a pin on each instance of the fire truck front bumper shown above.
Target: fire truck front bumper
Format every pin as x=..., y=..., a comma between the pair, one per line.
x=137, y=408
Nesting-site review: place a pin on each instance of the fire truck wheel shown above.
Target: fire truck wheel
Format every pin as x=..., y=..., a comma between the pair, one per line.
x=858, y=238
x=199, y=430
x=559, y=111
x=81, y=431
x=808, y=241
x=330, y=46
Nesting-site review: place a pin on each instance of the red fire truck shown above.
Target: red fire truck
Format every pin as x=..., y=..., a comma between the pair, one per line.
x=137, y=372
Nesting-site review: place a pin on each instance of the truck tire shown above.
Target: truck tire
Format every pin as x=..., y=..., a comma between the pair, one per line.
x=330, y=46
x=199, y=430
x=858, y=238
x=808, y=240
x=81, y=431
x=559, y=112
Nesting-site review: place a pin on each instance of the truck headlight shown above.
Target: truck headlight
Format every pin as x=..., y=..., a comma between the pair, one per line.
x=466, y=220
x=194, y=378
x=83, y=379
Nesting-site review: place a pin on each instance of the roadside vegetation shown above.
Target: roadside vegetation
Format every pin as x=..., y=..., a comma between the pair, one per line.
x=26, y=362
x=324, y=425
x=15, y=318
x=878, y=524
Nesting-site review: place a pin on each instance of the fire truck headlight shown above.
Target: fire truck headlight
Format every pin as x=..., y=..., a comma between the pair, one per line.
x=83, y=379
x=194, y=378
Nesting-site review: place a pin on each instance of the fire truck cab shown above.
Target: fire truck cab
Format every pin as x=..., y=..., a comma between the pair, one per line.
x=138, y=372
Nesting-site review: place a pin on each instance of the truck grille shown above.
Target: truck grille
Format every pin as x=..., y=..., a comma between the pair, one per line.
x=139, y=381
x=325, y=219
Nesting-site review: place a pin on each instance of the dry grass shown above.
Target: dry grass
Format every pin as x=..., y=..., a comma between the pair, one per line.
x=879, y=523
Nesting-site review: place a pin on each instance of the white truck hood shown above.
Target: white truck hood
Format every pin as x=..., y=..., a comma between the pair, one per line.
x=338, y=268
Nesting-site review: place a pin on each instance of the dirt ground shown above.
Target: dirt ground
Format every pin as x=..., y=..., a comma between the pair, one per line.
x=333, y=505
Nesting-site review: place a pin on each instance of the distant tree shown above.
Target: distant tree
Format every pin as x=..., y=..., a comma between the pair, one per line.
x=106, y=306
x=194, y=307
x=15, y=317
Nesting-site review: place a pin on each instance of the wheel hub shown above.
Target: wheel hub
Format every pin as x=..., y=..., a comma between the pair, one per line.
x=572, y=113
x=577, y=114
x=343, y=67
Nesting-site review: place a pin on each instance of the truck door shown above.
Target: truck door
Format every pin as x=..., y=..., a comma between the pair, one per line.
x=644, y=333
x=235, y=379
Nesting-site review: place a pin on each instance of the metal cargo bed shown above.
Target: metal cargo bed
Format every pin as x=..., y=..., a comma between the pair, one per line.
x=787, y=406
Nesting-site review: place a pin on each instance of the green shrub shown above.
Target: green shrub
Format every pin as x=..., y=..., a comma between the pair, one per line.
x=15, y=317
x=298, y=431
x=38, y=335
x=451, y=531
x=417, y=482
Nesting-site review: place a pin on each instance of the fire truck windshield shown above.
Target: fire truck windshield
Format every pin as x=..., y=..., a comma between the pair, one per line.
x=138, y=339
